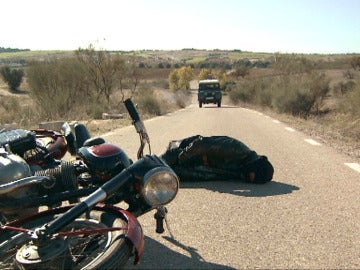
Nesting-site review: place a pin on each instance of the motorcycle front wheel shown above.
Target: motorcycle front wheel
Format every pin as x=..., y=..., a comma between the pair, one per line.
x=94, y=250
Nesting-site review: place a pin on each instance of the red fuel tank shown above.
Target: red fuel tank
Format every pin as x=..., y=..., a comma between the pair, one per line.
x=104, y=160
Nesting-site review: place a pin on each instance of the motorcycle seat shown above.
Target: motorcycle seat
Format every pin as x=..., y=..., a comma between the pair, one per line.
x=94, y=141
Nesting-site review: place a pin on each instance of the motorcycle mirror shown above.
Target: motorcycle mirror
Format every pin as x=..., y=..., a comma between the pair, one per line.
x=70, y=138
x=82, y=134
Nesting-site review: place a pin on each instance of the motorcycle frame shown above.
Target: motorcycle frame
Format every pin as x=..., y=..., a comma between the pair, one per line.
x=134, y=232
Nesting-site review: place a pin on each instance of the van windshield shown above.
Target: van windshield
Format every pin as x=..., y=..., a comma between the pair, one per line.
x=209, y=86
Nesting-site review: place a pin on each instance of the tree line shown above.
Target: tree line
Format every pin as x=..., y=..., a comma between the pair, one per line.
x=3, y=50
x=86, y=81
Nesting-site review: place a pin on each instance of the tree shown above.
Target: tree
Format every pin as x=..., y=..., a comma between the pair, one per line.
x=100, y=69
x=206, y=73
x=174, y=80
x=106, y=70
x=186, y=74
x=13, y=77
x=180, y=78
x=126, y=73
x=221, y=75
x=58, y=86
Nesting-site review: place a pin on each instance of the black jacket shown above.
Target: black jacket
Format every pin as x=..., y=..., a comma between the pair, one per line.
x=199, y=158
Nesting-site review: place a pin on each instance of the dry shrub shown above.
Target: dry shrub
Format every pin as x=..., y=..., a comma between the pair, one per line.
x=350, y=101
x=148, y=103
x=182, y=98
x=58, y=87
x=13, y=110
x=294, y=94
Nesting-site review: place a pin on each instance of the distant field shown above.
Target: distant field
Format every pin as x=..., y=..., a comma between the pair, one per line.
x=31, y=54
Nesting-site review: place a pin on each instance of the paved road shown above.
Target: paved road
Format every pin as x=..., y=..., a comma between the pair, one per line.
x=307, y=217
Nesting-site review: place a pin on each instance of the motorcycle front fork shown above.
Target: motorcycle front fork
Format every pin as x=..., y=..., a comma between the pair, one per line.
x=161, y=216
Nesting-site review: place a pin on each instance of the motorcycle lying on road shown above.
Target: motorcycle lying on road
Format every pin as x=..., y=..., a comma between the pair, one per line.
x=82, y=227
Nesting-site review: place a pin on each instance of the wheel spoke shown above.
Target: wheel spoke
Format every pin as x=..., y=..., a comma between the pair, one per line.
x=84, y=243
x=89, y=232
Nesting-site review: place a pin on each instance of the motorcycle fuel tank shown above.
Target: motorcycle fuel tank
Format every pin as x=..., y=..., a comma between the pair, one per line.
x=105, y=160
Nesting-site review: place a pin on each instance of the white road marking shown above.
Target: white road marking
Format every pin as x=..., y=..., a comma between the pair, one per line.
x=312, y=142
x=276, y=121
x=354, y=166
x=290, y=129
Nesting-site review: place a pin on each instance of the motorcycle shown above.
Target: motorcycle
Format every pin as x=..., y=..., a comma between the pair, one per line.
x=82, y=227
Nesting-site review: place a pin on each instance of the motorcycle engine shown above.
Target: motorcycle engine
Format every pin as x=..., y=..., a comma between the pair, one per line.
x=104, y=160
x=12, y=168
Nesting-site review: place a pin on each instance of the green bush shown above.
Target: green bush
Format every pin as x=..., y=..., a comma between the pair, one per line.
x=13, y=77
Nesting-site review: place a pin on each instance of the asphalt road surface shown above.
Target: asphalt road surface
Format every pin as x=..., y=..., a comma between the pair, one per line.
x=308, y=217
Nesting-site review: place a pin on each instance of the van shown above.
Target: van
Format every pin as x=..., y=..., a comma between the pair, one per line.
x=209, y=92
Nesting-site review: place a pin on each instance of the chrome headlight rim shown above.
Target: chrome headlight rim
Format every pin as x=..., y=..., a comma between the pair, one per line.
x=155, y=177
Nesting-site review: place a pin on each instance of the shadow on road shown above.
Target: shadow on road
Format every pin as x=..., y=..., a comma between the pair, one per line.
x=159, y=256
x=243, y=189
x=222, y=107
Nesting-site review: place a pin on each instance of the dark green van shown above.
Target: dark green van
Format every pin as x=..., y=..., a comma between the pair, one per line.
x=209, y=92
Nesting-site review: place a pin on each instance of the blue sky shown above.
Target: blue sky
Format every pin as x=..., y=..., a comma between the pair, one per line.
x=285, y=26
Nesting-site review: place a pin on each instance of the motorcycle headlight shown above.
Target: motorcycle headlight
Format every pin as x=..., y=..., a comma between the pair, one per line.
x=160, y=186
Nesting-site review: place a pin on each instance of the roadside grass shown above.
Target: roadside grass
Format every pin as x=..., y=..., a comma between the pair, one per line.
x=153, y=99
x=334, y=118
x=338, y=130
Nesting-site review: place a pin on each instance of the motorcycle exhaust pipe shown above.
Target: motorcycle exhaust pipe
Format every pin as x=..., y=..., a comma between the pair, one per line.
x=24, y=182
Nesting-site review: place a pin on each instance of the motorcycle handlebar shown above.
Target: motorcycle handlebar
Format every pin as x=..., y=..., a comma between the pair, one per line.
x=139, y=126
x=132, y=111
